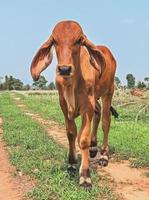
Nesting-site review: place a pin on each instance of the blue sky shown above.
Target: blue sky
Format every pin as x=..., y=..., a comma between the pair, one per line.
x=123, y=26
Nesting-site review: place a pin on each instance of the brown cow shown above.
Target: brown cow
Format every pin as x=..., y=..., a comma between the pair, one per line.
x=84, y=74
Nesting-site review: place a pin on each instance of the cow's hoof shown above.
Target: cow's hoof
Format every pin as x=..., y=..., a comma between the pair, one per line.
x=93, y=152
x=103, y=161
x=86, y=183
x=72, y=170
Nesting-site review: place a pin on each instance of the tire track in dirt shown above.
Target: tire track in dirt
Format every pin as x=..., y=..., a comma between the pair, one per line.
x=11, y=188
x=129, y=183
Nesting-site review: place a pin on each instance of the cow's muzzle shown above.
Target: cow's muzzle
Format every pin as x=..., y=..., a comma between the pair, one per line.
x=64, y=70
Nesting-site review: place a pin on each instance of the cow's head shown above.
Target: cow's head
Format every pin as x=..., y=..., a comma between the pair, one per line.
x=67, y=38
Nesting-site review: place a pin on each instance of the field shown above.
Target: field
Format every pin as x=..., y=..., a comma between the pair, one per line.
x=127, y=132
x=43, y=159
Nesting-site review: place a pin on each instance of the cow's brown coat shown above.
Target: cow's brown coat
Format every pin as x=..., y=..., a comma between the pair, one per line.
x=92, y=77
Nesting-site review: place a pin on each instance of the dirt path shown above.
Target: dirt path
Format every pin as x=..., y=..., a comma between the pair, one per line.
x=11, y=187
x=129, y=183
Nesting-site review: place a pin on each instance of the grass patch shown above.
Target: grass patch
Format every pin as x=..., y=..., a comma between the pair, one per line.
x=40, y=157
x=128, y=140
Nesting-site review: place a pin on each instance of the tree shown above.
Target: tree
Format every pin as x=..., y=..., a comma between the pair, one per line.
x=117, y=81
x=141, y=85
x=1, y=78
x=26, y=87
x=146, y=79
x=6, y=83
x=17, y=84
x=41, y=83
x=52, y=86
x=130, y=81
x=1, y=84
x=11, y=83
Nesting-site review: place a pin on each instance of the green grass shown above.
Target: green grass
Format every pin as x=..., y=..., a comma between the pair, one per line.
x=47, y=106
x=128, y=139
x=40, y=157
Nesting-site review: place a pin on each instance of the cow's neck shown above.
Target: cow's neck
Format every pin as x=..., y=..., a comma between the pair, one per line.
x=69, y=95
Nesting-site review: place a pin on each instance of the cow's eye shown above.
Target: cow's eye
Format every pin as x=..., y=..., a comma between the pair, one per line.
x=78, y=41
x=55, y=42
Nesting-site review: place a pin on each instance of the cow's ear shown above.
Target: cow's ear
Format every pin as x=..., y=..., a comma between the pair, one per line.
x=42, y=59
x=96, y=56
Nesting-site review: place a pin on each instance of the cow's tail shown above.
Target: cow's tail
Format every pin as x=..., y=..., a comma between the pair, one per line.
x=114, y=112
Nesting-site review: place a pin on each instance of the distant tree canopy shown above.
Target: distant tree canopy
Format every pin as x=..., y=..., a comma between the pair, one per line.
x=117, y=81
x=26, y=87
x=130, y=81
x=41, y=83
x=1, y=78
x=52, y=86
x=141, y=85
x=146, y=79
x=11, y=83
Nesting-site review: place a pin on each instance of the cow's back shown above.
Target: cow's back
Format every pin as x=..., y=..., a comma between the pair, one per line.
x=105, y=83
x=90, y=76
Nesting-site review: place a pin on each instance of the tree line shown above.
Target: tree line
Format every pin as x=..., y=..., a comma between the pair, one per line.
x=131, y=82
x=12, y=83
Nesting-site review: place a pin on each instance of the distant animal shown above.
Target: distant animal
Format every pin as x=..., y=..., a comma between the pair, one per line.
x=84, y=74
x=136, y=92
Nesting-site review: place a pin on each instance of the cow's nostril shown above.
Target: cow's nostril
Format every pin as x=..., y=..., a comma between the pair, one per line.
x=64, y=70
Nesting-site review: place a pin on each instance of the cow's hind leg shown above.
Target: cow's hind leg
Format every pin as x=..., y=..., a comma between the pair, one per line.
x=96, y=120
x=106, y=120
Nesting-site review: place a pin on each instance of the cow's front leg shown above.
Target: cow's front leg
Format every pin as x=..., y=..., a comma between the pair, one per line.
x=71, y=131
x=71, y=135
x=84, y=144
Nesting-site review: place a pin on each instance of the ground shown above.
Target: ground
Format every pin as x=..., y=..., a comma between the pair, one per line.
x=11, y=187
x=120, y=180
